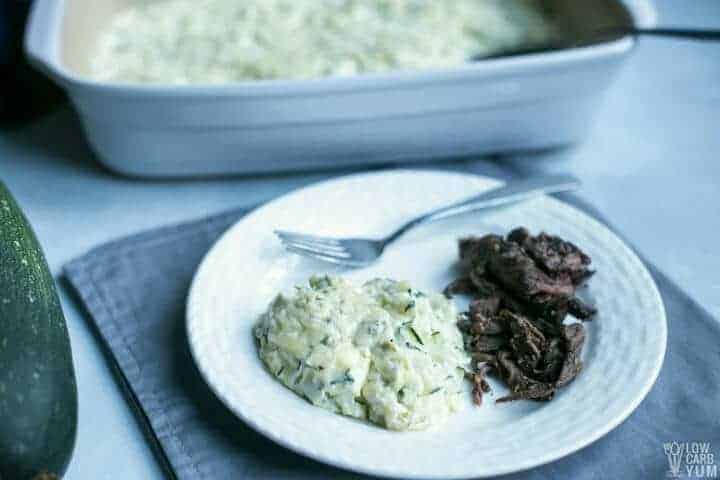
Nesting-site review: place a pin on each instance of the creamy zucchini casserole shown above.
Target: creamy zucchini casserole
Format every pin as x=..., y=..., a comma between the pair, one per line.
x=220, y=41
x=384, y=351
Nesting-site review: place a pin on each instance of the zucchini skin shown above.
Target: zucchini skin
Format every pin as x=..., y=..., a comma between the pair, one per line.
x=38, y=392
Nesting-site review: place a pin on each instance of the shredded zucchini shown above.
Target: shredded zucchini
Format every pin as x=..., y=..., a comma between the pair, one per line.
x=359, y=351
x=220, y=41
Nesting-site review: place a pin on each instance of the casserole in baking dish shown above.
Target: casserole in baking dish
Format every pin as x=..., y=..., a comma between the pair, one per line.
x=515, y=103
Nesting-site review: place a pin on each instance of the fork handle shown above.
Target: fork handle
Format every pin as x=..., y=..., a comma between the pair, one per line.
x=509, y=193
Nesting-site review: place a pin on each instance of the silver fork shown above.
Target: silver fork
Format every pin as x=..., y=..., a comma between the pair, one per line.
x=360, y=252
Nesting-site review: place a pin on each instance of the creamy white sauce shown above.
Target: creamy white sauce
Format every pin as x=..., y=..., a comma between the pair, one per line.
x=384, y=352
x=219, y=41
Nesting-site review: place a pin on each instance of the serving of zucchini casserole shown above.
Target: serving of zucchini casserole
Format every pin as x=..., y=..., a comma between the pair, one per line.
x=383, y=351
x=220, y=41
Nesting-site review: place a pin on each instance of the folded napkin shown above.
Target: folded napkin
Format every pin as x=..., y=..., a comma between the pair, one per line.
x=134, y=292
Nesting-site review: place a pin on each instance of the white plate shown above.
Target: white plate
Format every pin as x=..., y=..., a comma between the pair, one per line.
x=248, y=267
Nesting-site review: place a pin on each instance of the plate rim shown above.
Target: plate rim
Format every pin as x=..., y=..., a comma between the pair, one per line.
x=618, y=419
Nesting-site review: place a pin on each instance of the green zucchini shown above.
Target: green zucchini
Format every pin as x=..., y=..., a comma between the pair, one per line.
x=38, y=394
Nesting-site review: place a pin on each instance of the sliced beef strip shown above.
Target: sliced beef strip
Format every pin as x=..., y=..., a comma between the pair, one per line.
x=506, y=271
x=562, y=261
x=557, y=257
x=486, y=326
x=483, y=316
x=552, y=361
x=491, y=298
x=531, y=391
x=544, y=274
x=516, y=271
x=485, y=287
x=512, y=270
x=461, y=286
x=474, y=250
x=521, y=386
x=480, y=384
x=527, y=341
x=486, y=358
x=550, y=327
x=549, y=307
x=547, y=315
x=489, y=290
x=574, y=337
x=485, y=307
x=581, y=310
x=519, y=235
x=488, y=343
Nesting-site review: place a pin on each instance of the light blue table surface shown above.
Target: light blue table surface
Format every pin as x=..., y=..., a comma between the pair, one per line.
x=651, y=165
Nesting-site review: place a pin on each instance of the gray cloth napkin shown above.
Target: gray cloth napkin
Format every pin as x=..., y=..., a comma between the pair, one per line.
x=134, y=292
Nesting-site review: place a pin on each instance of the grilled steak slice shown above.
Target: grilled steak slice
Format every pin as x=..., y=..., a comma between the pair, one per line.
x=523, y=288
x=574, y=337
x=461, y=286
x=580, y=310
x=527, y=341
x=488, y=343
x=521, y=386
x=555, y=256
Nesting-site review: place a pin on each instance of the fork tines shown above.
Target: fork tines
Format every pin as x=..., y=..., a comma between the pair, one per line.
x=323, y=248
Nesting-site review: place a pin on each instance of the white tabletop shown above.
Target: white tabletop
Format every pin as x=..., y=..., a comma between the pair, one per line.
x=651, y=165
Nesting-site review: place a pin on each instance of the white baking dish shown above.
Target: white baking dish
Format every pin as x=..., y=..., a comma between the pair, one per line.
x=525, y=102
